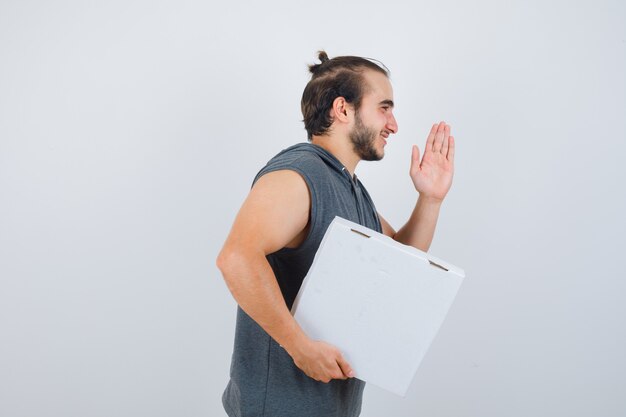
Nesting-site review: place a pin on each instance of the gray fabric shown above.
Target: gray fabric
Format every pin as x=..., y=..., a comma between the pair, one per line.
x=264, y=381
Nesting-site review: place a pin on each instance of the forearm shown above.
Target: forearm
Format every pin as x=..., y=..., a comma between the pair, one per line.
x=253, y=284
x=420, y=229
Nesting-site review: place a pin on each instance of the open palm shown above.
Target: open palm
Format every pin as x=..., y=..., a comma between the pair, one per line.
x=432, y=176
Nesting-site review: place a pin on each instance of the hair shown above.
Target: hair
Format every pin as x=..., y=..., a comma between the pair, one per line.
x=341, y=76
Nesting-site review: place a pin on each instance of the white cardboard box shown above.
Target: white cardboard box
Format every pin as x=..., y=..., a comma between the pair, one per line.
x=379, y=301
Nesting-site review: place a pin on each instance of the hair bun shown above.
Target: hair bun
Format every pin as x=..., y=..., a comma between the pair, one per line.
x=315, y=69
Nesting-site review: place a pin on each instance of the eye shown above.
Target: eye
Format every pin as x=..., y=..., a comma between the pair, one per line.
x=386, y=108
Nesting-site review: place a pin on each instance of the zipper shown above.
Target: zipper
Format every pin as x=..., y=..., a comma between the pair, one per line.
x=355, y=187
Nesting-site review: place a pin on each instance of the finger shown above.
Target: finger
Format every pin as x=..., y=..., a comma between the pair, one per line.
x=415, y=157
x=431, y=138
x=345, y=367
x=439, y=137
x=451, y=149
x=415, y=161
x=446, y=135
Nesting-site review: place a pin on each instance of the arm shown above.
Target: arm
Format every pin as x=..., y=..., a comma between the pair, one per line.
x=420, y=229
x=274, y=215
x=432, y=178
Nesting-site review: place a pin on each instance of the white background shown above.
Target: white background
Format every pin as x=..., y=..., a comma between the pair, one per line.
x=130, y=132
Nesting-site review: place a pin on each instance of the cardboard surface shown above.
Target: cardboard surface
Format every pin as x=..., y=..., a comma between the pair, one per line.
x=379, y=301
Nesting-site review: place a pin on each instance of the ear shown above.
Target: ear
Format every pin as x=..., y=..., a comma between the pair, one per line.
x=342, y=111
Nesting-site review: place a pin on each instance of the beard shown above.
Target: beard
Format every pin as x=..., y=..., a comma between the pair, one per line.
x=363, y=139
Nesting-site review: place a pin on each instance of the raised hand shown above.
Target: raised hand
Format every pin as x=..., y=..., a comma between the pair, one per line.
x=432, y=176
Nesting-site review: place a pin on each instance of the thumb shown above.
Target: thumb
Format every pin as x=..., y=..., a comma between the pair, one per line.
x=345, y=367
x=415, y=158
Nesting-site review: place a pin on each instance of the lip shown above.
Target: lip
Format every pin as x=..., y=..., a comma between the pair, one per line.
x=383, y=138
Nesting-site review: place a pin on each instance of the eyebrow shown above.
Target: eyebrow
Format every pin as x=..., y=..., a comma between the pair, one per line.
x=388, y=102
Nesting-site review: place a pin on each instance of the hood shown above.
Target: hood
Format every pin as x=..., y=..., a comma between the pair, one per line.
x=326, y=156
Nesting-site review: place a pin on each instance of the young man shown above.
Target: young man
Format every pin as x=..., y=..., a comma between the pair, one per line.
x=277, y=370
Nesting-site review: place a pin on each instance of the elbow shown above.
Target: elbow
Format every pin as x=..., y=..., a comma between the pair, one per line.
x=225, y=260
x=234, y=264
x=220, y=261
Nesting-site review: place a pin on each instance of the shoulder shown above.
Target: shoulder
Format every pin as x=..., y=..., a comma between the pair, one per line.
x=298, y=158
x=273, y=215
x=301, y=153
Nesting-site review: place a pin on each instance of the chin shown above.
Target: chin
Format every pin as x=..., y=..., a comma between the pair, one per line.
x=376, y=156
x=379, y=151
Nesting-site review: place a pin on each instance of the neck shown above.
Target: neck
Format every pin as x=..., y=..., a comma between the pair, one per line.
x=341, y=149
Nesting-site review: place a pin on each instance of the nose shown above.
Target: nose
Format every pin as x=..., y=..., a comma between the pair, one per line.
x=392, y=125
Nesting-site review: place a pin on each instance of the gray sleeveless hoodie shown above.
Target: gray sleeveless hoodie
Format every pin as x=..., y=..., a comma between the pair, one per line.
x=264, y=381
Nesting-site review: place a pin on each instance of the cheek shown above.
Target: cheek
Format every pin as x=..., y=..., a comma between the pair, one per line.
x=382, y=121
x=378, y=119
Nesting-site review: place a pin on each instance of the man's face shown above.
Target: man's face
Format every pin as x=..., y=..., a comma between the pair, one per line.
x=374, y=121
